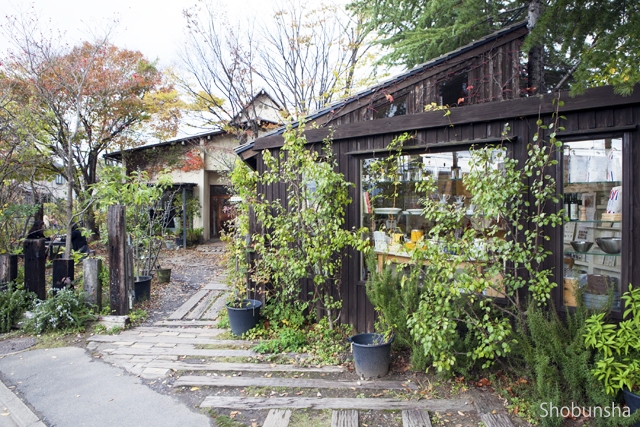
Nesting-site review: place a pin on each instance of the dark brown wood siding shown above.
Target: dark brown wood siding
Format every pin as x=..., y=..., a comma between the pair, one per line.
x=493, y=74
x=597, y=114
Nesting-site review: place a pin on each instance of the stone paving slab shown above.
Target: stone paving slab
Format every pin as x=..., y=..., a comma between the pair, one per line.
x=165, y=339
x=180, y=352
x=242, y=367
x=196, y=329
x=182, y=323
x=216, y=287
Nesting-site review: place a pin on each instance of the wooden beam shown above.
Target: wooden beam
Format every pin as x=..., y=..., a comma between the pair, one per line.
x=187, y=306
x=415, y=418
x=496, y=420
x=277, y=418
x=251, y=403
x=344, y=418
x=580, y=132
x=600, y=97
x=200, y=381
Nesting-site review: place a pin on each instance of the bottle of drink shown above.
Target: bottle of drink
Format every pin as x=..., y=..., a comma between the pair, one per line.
x=566, y=204
x=573, y=207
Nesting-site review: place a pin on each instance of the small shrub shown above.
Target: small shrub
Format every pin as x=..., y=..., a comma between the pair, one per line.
x=560, y=365
x=66, y=310
x=137, y=316
x=13, y=302
x=395, y=296
x=289, y=340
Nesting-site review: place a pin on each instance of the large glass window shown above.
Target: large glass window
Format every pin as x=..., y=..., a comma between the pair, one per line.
x=391, y=204
x=592, y=235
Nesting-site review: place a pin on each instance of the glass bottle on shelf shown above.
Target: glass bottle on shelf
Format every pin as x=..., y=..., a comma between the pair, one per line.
x=573, y=207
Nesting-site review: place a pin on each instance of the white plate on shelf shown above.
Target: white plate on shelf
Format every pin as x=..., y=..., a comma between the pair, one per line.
x=387, y=211
x=414, y=211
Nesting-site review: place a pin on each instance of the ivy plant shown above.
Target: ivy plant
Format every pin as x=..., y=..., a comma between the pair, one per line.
x=302, y=233
x=498, y=250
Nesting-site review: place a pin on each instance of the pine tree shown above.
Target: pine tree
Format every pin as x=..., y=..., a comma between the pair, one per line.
x=584, y=43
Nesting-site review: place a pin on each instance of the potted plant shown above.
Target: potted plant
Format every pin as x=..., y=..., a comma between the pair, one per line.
x=618, y=348
x=371, y=354
x=243, y=312
x=148, y=214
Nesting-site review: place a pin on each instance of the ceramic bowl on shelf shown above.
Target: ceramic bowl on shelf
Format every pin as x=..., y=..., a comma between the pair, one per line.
x=610, y=245
x=581, y=246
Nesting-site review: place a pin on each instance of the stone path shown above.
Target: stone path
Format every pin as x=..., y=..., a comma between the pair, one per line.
x=170, y=347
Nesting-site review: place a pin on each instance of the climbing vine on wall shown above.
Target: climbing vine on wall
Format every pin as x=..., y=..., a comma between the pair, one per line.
x=192, y=161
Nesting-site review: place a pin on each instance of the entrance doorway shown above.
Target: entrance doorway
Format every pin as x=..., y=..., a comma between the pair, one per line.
x=220, y=210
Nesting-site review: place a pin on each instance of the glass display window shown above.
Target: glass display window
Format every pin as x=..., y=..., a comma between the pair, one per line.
x=391, y=200
x=593, y=194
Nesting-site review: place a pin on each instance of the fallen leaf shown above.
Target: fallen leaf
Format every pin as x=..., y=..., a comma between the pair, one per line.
x=461, y=413
x=195, y=388
x=5, y=414
x=299, y=393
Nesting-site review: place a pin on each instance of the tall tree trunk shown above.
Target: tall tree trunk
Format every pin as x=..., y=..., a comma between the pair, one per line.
x=535, y=66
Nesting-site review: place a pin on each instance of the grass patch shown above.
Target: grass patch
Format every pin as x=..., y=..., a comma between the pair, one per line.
x=310, y=418
x=55, y=340
x=224, y=420
x=246, y=346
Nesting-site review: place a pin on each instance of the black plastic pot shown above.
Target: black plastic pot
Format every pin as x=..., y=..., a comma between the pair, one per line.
x=371, y=354
x=142, y=288
x=164, y=275
x=245, y=316
x=633, y=402
x=62, y=273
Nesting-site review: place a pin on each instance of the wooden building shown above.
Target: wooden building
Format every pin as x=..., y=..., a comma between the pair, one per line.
x=601, y=127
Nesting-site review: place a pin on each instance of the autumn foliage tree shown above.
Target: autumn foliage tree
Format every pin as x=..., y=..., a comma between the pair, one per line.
x=87, y=99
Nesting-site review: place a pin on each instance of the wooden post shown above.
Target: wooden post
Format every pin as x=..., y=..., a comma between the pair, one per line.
x=34, y=267
x=8, y=268
x=62, y=273
x=130, y=278
x=92, y=285
x=119, y=274
x=184, y=217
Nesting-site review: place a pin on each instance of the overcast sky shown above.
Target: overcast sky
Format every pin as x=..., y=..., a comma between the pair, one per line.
x=154, y=27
